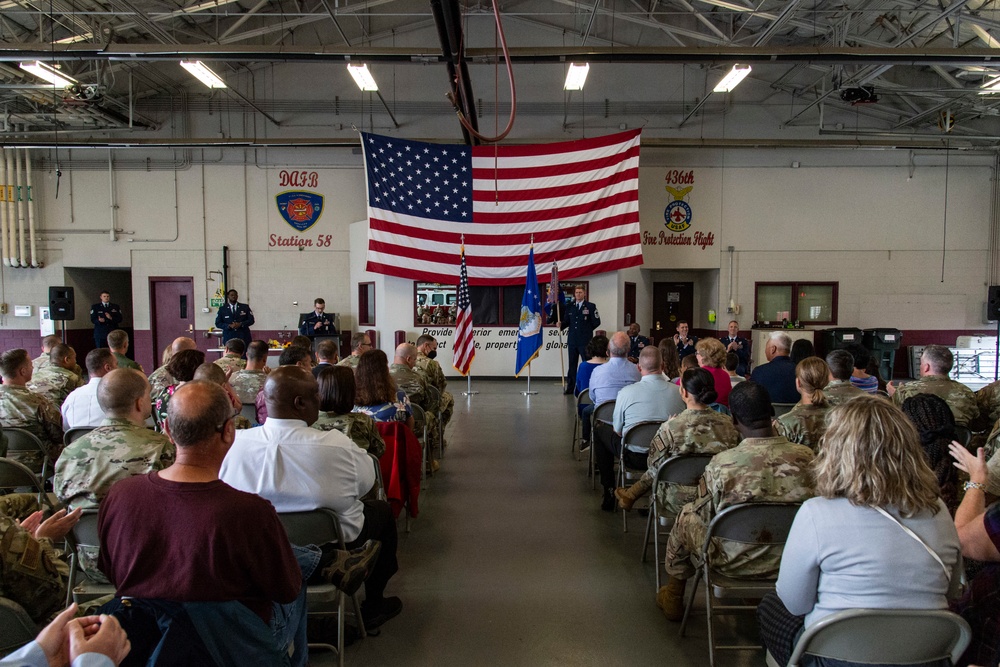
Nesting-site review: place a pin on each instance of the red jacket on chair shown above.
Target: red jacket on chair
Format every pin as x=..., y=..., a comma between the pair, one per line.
x=400, y=466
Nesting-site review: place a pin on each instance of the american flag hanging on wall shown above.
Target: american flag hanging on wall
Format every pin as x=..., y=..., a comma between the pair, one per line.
x=580, y=200
x=464, y=345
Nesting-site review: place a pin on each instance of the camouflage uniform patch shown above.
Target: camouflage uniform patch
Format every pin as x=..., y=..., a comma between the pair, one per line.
x=803, y=424
x=431, y=371
x=757, y=470
x=55, y=383
x=690, y=432
x=247, y=384
x=959, y=398
x=357, y=426
x=415, y=387
x=841, y=391
x=21, y=408
x=231, y=363
x=125, y=362
x=988, y=400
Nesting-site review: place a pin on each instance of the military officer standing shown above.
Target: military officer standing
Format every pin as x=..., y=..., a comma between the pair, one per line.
x=235, y=319
x=581, y=318
x=106, y=317
x=318, y=323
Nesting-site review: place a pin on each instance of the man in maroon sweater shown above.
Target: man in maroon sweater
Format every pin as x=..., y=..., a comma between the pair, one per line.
x=183, y=535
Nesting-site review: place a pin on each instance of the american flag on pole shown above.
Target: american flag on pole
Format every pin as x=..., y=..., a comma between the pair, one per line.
x=464, y=346
x=580, y=200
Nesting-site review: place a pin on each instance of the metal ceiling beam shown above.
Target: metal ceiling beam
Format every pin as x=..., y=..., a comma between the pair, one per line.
x=828, y=55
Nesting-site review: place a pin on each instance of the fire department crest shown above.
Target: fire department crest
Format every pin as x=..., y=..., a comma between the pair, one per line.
x=300, y=209
x=678, y=214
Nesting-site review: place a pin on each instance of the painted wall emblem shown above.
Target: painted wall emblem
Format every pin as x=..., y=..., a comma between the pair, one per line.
x=299, y=208
x=677, y=216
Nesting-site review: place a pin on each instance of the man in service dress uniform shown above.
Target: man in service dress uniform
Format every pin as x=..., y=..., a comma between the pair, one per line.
x=318, y=323
x=106, y=317
x=235, y=319
x=581, y=318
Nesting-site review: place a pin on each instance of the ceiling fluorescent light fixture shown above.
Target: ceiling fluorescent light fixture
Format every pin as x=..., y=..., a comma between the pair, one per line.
x=731, y=80
x=48, y=73
x=363, y=77
x=991, y=87
x=576, y=76
x=203, y=73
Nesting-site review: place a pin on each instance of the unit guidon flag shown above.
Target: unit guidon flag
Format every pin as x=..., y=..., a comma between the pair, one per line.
x=577, y=200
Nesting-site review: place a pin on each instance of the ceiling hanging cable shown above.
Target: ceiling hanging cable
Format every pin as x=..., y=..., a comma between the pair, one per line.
x=510, y=77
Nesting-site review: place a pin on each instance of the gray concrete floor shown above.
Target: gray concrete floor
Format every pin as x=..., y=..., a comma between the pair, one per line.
x=511, y=561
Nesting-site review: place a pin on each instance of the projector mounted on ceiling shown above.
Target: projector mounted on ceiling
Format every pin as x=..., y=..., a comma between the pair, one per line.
x=859, y=95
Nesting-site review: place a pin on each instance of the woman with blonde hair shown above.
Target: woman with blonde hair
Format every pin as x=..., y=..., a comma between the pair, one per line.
x=877, y=536
x=711, y=354
x=806, y=422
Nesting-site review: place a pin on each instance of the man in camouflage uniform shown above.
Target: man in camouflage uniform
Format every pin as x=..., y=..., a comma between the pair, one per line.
x=690, y=432
x=21, y=408
x=43, y=360
x=57, y=380
x=360, y=343
x=411, y=382
x=431, y=371
x=764, y=467
x=232, y=360
x=212, y=373
x=160, y=380
x=840, y=390
x=935, y=364
x=357, y=426
x=248, y=382
x=988, y=400
x=118, y=343
x=120, y=447
x=32, y=573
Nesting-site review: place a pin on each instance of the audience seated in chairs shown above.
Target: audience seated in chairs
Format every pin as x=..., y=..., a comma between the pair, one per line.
x=81, y=407
x=697, y=429
x=214, y=374
x=935, y=425
x=979, y=533
x=118, y=344
x=763, y=467
x=293, y=355
x=936, y=362
x=20, y=408
x=732, y=363
x=241, y=604
x=232, y=360
x=299, y=468
x=360, y=343
x=877, y=519
x=605, y=383
x=32, y=572
x=671, y=362
x=840, y=388
x=160, y=379
x=87, y=641
x=711, y=355
x=802, y=348
x=431, y=371
x=597, y=351
x=181, y=368
x=377, y=394
x=806, y=422
x=248, y=382
x=59, y=378
x=326, y=355
x=778, y=375
x=860, y=377
x=336, y=401
x=413, y=383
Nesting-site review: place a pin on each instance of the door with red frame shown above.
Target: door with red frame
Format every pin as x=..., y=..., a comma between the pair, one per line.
x=171, y=302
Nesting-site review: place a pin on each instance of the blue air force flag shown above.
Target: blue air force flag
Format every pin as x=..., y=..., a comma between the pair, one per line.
x=529, y=331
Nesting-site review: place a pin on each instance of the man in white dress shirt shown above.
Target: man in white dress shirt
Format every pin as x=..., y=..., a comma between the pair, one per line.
x=80, y=408
x=298, y=469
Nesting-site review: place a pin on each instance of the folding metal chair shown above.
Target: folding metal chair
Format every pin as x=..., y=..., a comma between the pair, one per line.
x=635, y=443
x=16, y=627
x=601, y=418
x=15, y=475
x=884, y=636
x=75, y=433
x=80, y=587
x=20, y=440
x=320, y=526
x=683, y=470
x=762, y=524
x=782, y=408
x=581, y=400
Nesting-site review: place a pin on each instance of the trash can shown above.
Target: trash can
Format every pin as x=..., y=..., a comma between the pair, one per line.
x=837, y=338
x=883, y=344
